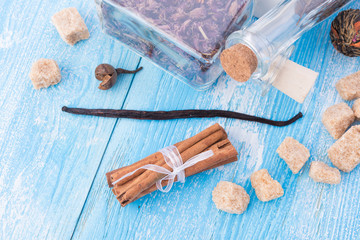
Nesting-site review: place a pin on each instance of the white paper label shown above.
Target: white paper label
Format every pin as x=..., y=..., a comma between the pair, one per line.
x=295, y=80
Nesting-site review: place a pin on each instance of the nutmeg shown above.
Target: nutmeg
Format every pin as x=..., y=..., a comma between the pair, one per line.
x=107, y=74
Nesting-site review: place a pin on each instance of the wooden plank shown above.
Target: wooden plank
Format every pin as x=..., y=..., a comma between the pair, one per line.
x=47, y=158
x=307, y=211
x=133, y=140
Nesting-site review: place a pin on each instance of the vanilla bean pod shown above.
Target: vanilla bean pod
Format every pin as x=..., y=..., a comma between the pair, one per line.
x=178, y=114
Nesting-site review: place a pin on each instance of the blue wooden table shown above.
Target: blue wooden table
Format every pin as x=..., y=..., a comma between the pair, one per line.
x=53, y=165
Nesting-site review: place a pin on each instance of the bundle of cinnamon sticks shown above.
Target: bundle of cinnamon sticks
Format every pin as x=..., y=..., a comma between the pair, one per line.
x=143, y=182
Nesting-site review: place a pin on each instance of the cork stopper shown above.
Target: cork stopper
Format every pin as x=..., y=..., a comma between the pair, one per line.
x=239, y=62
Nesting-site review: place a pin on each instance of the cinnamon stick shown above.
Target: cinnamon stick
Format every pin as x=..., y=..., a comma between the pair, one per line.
x=164, y=183
x=224, y=153
x=187, y=174
x=143, y=182
x=148, y=178
x=156, y=157
x=227, y=151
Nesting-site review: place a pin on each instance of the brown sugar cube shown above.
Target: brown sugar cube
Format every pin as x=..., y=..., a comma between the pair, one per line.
x=345, y=152
x=321, y=172
x=337, y=119
x=293, y=153
x=230, y=197
x=70, y=25
x=349, y=87
x=266, y=188
x=44, y=73
x=356, y=108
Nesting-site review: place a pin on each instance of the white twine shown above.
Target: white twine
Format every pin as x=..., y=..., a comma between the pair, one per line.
x=173, y=159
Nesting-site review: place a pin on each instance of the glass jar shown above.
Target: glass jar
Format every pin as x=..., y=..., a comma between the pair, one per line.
x=272, y=36
x=184, y=37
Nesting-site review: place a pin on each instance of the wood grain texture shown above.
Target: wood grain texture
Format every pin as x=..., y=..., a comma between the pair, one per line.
x=48, y=160
x=53, y=165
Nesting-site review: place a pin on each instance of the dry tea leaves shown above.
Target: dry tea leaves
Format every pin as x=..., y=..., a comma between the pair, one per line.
x=202, y=25
x=345, y=32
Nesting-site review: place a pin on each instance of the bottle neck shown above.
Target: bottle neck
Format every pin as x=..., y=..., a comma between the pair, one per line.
x=272, y=36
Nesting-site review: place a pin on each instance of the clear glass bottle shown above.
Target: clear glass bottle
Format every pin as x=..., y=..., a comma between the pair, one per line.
x=272, y=36
x=183, y=37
